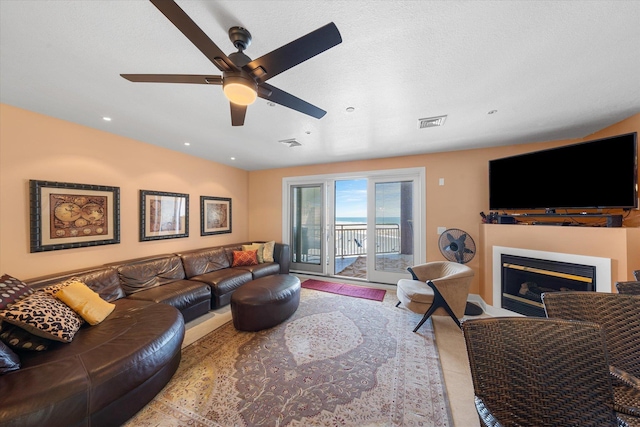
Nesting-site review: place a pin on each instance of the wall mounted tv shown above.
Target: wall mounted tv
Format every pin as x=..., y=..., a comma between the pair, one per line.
x=594, y=174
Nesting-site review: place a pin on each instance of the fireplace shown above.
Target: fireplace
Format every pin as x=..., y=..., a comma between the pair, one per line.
x=524, y=280
x=599, y=273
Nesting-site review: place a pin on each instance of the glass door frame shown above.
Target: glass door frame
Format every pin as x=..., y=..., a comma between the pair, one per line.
x=381, y=276
x=299, y=264
x=418, y=175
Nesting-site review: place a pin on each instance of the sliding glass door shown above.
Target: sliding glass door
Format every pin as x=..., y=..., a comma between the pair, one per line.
x=392, y=210
x=364, y=226
x=306, y=228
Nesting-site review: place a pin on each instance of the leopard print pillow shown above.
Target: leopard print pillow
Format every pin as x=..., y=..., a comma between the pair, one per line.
x=43, y=315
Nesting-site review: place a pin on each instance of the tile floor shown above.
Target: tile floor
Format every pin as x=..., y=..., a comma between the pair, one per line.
x=455, y=369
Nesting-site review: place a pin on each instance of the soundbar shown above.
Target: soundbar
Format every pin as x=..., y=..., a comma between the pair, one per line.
x=612, y=220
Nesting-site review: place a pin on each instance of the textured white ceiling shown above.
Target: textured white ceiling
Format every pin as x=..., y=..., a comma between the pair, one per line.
x=552, y=70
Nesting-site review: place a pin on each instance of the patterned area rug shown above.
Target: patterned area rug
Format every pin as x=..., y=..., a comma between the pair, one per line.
x=338, y=361
x=344, y=289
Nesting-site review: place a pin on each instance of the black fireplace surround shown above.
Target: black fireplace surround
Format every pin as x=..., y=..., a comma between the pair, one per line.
x=524, y=280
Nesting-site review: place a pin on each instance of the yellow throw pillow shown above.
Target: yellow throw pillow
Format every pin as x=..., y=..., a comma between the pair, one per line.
x=85, y=302
x=255, y=247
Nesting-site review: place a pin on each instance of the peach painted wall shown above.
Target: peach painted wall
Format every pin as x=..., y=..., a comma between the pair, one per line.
x=621, y=245
x=34, y=146
x=457, y=204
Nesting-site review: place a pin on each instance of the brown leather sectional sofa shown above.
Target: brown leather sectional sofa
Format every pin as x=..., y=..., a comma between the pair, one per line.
x=112, y=370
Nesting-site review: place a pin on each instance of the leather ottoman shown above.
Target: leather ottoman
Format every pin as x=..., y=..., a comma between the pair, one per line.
x=265, y=302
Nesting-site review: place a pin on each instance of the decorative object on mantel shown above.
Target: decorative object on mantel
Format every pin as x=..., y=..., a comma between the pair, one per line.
x=67, y=215
x=215, y=215
x=163, y=215
x=457, y=246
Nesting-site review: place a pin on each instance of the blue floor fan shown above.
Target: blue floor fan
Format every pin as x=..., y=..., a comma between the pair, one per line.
x=458, y=246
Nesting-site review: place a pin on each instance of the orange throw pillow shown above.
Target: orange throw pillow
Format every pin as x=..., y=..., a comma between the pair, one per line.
x=242, y=258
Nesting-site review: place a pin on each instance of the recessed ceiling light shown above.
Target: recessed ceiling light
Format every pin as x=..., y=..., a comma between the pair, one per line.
x=350, y=109
x=187, y=143
x=233, y=158
x=492, y=112
x=271, y=104
x=106, y=119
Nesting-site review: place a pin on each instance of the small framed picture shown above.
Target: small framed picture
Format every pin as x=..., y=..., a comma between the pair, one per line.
x=163, y=215
x=65, y=215
x=215, y=215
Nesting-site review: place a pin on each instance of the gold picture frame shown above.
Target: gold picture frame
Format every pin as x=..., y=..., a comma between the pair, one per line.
x=163, y=215
x=215, y=215
x=66, y=215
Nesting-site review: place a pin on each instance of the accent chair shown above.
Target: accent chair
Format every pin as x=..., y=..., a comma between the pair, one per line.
x=437, y=288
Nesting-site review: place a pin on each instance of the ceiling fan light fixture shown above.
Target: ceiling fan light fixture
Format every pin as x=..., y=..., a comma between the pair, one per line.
x=240, y=90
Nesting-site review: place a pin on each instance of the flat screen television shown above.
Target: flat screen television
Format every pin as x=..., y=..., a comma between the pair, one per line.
x=601, y=173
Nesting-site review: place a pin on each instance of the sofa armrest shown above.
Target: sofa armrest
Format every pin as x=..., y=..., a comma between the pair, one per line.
x=282, y=256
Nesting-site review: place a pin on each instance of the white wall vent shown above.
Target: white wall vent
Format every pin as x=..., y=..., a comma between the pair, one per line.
x=431, y=122
x=291, y=142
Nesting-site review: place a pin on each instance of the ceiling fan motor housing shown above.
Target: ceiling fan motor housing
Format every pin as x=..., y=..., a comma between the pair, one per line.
x=240, y=37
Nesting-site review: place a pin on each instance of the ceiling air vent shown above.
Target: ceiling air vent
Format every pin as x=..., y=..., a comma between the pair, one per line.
x=290, y=142
x=431, y=122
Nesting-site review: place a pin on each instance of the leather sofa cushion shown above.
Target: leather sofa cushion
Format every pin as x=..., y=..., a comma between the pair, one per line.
x=181, y=294
x=205, y=261
x=145, y=274
x=102, y=280
x=65, y=383
x=262, y=270
x=225, y=281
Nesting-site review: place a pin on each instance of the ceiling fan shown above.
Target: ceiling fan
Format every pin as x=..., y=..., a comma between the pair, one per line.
x=244, y=79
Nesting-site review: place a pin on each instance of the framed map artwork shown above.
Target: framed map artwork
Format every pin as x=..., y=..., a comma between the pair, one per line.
x=163, y=215
x=215, y=215
x=66, y=215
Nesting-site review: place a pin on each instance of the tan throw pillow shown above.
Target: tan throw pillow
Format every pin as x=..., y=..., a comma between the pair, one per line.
x=43, y=315
x=258, y=247
x=85, y=302
x=267, y=252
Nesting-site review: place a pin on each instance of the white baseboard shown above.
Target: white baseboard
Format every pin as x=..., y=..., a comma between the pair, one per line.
x=491, y=310
x=204, y=324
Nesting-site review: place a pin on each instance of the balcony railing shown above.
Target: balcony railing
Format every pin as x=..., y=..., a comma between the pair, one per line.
x=351, y=239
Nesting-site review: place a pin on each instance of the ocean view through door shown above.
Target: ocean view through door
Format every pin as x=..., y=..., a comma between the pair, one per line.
x=361, y=226
x=350, y=234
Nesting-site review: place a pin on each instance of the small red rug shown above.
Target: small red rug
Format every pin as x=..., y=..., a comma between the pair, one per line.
x=344, y=289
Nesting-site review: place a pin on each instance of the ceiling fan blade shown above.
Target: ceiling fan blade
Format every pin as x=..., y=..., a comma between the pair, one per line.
x=237, y=114
x=174, y=78
x=285, y=99
x=292, y=54
x=190, y=29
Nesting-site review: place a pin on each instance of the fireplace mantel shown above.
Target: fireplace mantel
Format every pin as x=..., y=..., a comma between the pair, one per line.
x=620, y=245
x=603, y=266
